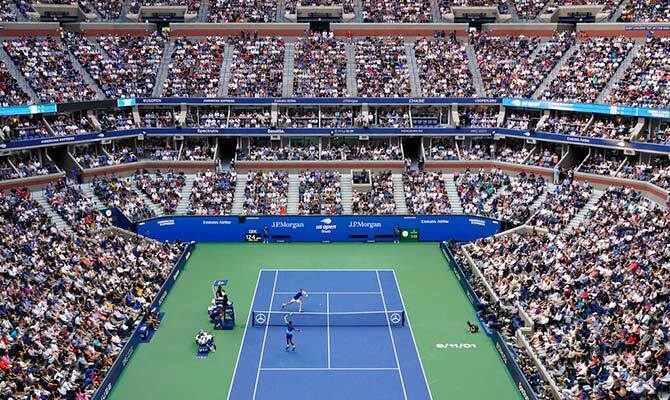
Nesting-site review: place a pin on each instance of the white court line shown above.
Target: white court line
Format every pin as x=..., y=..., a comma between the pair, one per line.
x=395, y=352
x=328, y=324
x=336, y=293
x=409, y=325
x=244, y=335
x=265, y=336
x=329, y=369
x=326, y=270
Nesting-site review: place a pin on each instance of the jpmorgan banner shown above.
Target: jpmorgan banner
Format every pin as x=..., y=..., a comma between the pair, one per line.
x=317, y=228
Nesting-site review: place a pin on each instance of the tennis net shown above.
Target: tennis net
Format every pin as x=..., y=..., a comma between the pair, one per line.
x=363, y=318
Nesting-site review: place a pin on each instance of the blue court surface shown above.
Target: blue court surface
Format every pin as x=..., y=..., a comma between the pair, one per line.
x=356, y=341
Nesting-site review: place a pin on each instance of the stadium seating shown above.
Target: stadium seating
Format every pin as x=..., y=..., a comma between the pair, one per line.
x=320, y=67
x=381, y=68
x=257, y=67
x=320, y=193
x=212, y=193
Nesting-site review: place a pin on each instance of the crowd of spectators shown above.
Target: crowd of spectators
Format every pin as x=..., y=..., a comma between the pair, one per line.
x=445, y=5
x=608, y=127
x=268, y=153
x=259, y=118
x=426, y=193
x=511, y=66
x=197, y=150
x=75, y=207
x=497, y=195
x=320, y=66
x=195, y=68
x=161, y=188
x=117, y=192
x=265, y=193
x=192, y=6
x=378, y=200
x=113, y=120
x=6, y=12
x=443, y=149
x=69, y=304
x=479, y=117
x=7, y=171
x=443, y=67
x=298, y=118
x=123, y=152
x=512, y=152
x=660, y=134
x=566, y=124
x=529, y=9
x=340, y=117
x=69, y=124
x=320, y=193
x=158, y=118
x=91, y=157
x=250, y=11
x=561, y=205
x=545, y=156
x=602, y=164
x=390, y=11
x=519, y=120
x=347, y=5
x=381, y=67
x=390, y=117
x=28, y=165
x=588, y=70
x=123, y=66
x=608, y=6
x=478, y=150
x=597, y=296
x=212, y=193
x=48, y=70
x=257, y=67
x=160, y=149
x=24, y=127
x=645, y=82
x=646, y=11
x=10, y=91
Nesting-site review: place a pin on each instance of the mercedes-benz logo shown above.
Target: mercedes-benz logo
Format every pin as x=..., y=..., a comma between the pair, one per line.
x=260, y=319
x=396, y=318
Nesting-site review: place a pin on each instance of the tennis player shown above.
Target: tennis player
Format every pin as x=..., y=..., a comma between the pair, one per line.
x=297, y=298
x=290, y=328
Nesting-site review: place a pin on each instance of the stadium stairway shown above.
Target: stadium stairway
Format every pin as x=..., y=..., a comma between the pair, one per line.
x=224, y=76
x=281, y=11
x=16, y=74
x=87, y=189
x=53, y=215
x=452, y=194
x=435, y=11
x=288, y=75
x=595, y=196
x=157, y=208
x=125, y=9
x=163, y=69
x=399, y=195
x=414, y=82
x=293, y=195
x=238, y=199
x=352, y=86
x=535, y=207
x=474, y=69
x=345, y=192
x=358, y=11
x=620, y=72
x=100, y=94
x=203, y=12
x=182, y=207
x=554, y=72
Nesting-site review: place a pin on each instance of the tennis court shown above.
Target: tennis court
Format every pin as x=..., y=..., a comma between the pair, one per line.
x=356, y=340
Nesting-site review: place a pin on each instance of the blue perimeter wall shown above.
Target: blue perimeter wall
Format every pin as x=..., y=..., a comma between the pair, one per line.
x=129, y=348
x=317, y=228
x=506, y=353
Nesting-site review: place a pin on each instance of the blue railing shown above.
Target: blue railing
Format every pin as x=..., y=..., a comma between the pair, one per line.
x=129, y=348
x=506, y=353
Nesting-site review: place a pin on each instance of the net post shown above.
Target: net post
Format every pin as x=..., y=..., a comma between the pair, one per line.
x=403, y=317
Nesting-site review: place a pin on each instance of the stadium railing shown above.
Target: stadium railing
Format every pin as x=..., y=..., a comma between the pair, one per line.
x=506, y=353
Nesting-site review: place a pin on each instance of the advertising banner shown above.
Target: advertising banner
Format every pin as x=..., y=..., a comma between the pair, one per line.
x=317, y=228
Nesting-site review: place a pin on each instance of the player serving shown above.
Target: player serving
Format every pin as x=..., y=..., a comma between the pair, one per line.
x=290, y=328
x=297, y=298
